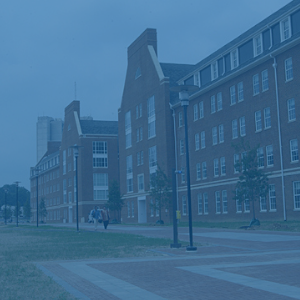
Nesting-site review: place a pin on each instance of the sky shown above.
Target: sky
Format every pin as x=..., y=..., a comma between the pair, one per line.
x=47, y=46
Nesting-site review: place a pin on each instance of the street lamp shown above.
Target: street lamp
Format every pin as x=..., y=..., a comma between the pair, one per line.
x=17, y=188
x=184, y=91
x=76, y=154
x=37, y=170
x=5, y=208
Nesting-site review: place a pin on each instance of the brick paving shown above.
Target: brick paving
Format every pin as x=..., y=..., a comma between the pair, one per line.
x=231, y=264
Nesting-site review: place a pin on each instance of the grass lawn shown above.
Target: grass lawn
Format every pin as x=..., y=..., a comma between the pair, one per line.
x=20, y=247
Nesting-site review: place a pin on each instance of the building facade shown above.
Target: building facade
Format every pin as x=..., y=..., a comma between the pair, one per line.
x=248, y=90
x=97, y=163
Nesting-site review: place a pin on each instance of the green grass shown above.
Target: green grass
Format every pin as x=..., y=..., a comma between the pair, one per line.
x=20, y=247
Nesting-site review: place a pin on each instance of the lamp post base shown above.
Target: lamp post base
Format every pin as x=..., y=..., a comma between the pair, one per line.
x=175, y=245
x=191, y=248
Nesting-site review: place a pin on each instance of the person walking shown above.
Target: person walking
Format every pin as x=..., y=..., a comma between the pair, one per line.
x=105, y=217
x=95, y=215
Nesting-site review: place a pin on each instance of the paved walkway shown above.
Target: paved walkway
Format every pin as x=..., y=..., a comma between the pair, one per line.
x=231, y=264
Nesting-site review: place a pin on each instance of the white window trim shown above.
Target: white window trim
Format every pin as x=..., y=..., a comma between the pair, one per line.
x=237, y=58
x=282, y=38
x=255, y=45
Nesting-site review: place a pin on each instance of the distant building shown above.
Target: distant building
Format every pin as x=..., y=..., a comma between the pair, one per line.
x=97, y=167
x=248, y=89
x=47, y=129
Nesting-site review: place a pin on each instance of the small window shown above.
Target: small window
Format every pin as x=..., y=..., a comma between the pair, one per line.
x=232, y=95
x=258, y=124
x=195, y=112
x=201, y=110
x=257, y=43
x=240, y=91
x=219, y=101
x=197, y=79
x=216, y=167
x=234, y=59
x=265, y=80
x=255, y=84
x=285, y=29
x=267, y=115
x=234, y=129
x=214, y=135
x=270, y=158
x=214, y=70
x=291, y=110
x=180, y=120
x=202, y=139
x=198, y=171
x=288, y=69
x=294, y=150
x=221, y=133
x=204, y=170
x=197, y=146
x=213, y=104
x=260, y=158
x=181, y=147
x=242, y=126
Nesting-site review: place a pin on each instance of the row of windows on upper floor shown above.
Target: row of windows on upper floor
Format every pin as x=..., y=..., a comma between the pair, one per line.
x=254, y=47
x=218, y=131
x=219, y=165
x=46, y=165
x=236, y=93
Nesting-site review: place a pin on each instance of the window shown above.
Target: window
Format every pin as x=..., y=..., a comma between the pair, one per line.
x=197, y=79
x=240, y=91
x=152, y=159
x=285, y=29
x=234, y=59
x=181, y=147
x=182, y=175
x=221, y=133
x=238, y=206
x=270, y=159
x=137, y=112
x=216, y=167
x=296, y=186
x=180, y=121
x=142, y=157
x=138, y=158
x=247, y=205
x=128, y=129
x=141, y=133
x=223, y=166
x=288, y=69
x=236, y=161
x=232, y=95
x=234, y=129
x=198, y=171
x=204, y=170
x=129, y=174
x=291, y=110
x=201, y=110
x=205, y=199
x=184, y=205
x=156, y=208
x=258, y=124
x=218, y=202
x=202, y=139
x=151, y=117
x=224, y=201
x=255, y=84
x=141, y=110
x=132, y=209
x=257, y=43
x=294, y=150
x=213, y=104
x=141, y=182
x=263, y=204
x=197, y=141
x=64, y=162
x=128, y=209
x=99, y=154
x=242, y=126
x=137, y=135
x=214, y=135
x=195, y=112
x=219, y=101
x=151, y=208
x=260, y=158
x=272, y=197
x=265, y=80
x=214, y=70
x=100, y=184
x=200, y=204
x=267, y=116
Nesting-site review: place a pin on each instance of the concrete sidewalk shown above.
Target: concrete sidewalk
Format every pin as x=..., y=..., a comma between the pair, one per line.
x=230, y=264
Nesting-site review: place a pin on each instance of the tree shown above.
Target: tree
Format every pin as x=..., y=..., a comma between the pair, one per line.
x=160, y=191
x=253, y=182
x=115, y=201
x=42, y=209
x=27, y=209
x=15, y=210
x=23, y=195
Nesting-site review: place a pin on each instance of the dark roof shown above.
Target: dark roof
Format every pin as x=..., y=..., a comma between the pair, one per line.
x=176, y=71
x=99, y=127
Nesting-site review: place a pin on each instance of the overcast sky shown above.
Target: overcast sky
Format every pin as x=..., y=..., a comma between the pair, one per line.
x=45, y=46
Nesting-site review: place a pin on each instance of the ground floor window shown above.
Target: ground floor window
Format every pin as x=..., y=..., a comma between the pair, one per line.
x=296, y=194
x=184, y=205
x=272, y=197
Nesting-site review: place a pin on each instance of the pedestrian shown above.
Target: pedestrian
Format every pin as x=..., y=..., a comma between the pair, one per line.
x=105, y=217
x=95, y=215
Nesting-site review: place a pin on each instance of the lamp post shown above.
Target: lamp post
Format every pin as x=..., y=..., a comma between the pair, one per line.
x=76, y=154
x=184, y=91
x=37, y=170
x=17, y=194
x=5, y=208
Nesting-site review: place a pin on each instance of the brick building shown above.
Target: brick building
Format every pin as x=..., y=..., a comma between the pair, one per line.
x=247, y=89
x=97, y=166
